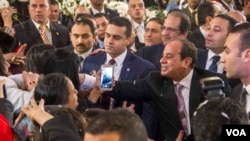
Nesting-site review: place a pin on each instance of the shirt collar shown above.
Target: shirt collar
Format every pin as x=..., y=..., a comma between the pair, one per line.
x=186, y=81
x=136, y=24
x=211, y=54
x=96, y=11
x=119, y=59
x=85, y=54
x=38, y=25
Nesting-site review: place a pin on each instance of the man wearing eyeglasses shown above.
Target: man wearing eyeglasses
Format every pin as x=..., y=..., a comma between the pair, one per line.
x=177, y=25
x=38, y=29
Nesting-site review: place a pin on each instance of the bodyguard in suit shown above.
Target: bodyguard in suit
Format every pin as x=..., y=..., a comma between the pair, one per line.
x=216, y=35
x=236, y=60
x=127, y=66
x=176, y=25
x=97, y=6
x=177, y=68
x=28, y=31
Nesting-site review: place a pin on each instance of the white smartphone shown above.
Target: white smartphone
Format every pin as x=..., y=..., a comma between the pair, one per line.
x=107, y=75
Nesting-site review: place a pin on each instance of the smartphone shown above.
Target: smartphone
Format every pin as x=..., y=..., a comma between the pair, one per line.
x=107, y=75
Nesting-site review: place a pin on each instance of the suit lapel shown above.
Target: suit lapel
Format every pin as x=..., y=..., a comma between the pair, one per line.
x=195, y=94
x=126, y=67
x=33, y=32
x=54, y=34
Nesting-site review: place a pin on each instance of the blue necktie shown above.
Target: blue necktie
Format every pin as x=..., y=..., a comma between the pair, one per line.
x=213, y=66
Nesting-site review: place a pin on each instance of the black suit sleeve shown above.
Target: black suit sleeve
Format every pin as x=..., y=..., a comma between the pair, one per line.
x=130, y=90
x=61, y=128
x=6, y=108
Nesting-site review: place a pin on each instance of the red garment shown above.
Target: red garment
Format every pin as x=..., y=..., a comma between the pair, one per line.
x=5, y=130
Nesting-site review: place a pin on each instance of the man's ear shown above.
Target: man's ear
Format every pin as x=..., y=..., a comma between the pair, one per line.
x=246, y=55
x=187, y=62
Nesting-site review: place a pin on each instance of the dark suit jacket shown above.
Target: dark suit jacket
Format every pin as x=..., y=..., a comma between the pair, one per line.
x=161, y=91
x=236, y=92
x=201, y=63
x=197, y=38
x=192, y=19
x=133, y=68
x=109, y=13
x=28, y=33
x=153, y=54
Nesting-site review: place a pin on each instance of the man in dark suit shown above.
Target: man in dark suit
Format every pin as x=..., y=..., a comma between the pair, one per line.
x=176, y=25
x=177, y=66
x=82, y=37
x=206, y=12
x=127, y=66
x=216, y=35
x=97, y=6
x=236, y=60
x=28, y=31
x=191, y=10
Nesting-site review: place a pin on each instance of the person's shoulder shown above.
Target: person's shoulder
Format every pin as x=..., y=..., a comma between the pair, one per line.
x=96, y=56
x=59, y=26
x=151, y=48
x=206, y=73
x=22, y=25
x=140, y=61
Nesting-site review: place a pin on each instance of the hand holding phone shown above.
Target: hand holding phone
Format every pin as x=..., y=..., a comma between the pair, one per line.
x=107, y=76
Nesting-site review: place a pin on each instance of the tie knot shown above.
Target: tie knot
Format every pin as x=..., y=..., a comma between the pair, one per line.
x=216, y=58
x=81, y=58
x=178, y=87
x=42, y=27
x=112, y=61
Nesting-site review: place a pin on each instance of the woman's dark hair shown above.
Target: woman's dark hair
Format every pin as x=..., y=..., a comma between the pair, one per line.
x=78, y=118
x=53, y=88
x=66, y=62
x=37, y=57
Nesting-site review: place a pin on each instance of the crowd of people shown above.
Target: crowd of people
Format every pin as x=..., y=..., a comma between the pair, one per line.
x=50, y=71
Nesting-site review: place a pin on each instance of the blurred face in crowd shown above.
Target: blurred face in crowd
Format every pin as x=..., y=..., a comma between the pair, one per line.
x=54, y=13
x=216, y=34
x=115, y=40
x=193, y=4
x=171, y=64
x=136, y=10
x=96, y=2
x=101, y=24
x=81, y=9
x=171, y=29
x=153, y=33
x=108, y=136
x=82, y=38
x=72, y=99
x=232, y=58
x=39, y=11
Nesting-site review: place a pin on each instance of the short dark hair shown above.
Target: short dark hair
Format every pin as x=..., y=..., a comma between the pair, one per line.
x=185, y=23
x=232, y=22
x=158, y=20
x=204, y=10
x=244, y=30
x=122, y=22
x=99, y=15
x=85, y=21
x=129, y=126
x=212, y=114
x=188, y=50
x=53, y=2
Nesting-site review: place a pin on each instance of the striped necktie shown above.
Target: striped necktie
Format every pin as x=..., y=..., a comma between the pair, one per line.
x=42, y=31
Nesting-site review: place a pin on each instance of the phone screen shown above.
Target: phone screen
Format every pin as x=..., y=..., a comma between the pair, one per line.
x=106, y=77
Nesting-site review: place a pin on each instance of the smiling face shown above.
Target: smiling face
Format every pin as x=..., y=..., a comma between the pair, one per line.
x=39, y=11
x=172, y=66
x=115, y=40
